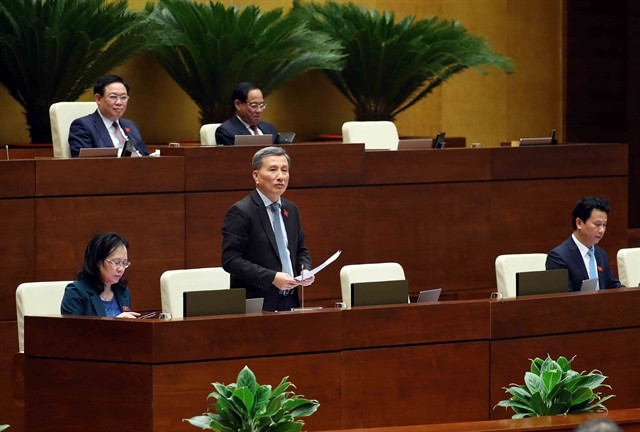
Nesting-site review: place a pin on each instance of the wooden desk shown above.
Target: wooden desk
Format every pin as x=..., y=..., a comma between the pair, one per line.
x=369, y=367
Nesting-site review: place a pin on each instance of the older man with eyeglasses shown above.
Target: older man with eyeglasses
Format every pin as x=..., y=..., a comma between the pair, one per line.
x=249, y=104
x=106, y=127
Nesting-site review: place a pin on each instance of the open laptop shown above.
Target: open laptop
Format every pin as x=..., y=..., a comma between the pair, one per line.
x=254, y=305
x=98, y=152
x=429, y=296
x=379, y=292
x=253, y=140
x=214, y=302
x=542, y=282
x=285, y=137
x=589, y=285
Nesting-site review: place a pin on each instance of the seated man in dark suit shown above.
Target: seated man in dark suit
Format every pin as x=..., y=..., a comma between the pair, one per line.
x=106, y=127
x=249, y=104
x=579, y=253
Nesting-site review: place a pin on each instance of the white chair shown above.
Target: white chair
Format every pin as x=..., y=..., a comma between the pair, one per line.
x=208, y=134
x=174, y=282
x=376, y=135
x=367, y=273
x=37, y=299
x=629, y=266
x=62, y=114
x=508, y=265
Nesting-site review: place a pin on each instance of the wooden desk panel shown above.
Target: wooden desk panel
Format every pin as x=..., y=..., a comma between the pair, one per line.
x=614, y=352
x=439, y=233
x=316, y=376
x=421, y=166
x=379, y=326
x=565, y=313
x=154, y=225
x=103, y=176
x=312, y=165
x=573, y=160
x=414, y=384
x=17, y=178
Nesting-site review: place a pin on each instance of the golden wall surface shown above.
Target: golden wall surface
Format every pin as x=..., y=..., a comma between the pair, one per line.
x=483, y=108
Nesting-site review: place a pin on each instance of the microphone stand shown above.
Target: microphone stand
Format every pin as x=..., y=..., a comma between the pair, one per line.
x=302, y=308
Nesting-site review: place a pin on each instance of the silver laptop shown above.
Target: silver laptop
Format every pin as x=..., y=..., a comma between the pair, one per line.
x=589, y=285
x=98, y=152
x=253, y=140
x=254, y=305
x=429, y=296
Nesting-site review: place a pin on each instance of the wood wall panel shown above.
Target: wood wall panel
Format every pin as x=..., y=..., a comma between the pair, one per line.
x=154, y=225
x=17, y=250
x=414, y=385
x=309, y=373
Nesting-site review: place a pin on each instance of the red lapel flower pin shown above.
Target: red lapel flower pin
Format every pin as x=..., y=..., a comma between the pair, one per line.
x=127, y=130
x=286, y=213
x=125, y=308
x=599, y=268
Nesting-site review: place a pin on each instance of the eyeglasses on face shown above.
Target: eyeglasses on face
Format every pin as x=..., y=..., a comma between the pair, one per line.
x=117, y=263
x=256, y=105
x=114, y=97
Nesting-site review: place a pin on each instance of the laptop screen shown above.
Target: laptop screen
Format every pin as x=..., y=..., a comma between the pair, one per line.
x=542, y=282
x=429, y=296
x=379, y=292
x=214, y=302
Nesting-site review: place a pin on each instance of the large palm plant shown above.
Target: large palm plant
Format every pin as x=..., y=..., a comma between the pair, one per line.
x=209, y=48
x=54, y=50
x=389, y=66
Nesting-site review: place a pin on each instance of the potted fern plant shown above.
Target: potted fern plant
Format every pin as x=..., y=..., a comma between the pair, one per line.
x=246, y=406
x=551, y=388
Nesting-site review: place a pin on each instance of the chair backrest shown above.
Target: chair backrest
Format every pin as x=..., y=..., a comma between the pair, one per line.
x=376, y=135
x=367, y=273
x=37, y=299
x=174, y=282
x=62, y=114
x=508, y=265
x=208, y=134
x=629, y=266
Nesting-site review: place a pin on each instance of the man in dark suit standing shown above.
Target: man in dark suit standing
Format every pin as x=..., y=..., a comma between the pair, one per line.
x=579, y=253
x=262, y=238
x=106, y=127
x=249, y=104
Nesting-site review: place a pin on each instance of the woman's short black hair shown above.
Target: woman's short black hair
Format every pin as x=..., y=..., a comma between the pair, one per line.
x=99, y=248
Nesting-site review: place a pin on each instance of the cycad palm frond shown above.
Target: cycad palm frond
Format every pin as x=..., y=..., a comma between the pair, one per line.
x=209, y=48
x=54, y=50
x=390, y=66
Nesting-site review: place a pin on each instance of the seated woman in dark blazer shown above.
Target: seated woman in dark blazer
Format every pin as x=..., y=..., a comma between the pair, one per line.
x=100, y=289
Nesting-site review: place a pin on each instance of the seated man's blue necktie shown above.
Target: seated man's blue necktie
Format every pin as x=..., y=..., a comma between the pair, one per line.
x=593, y=272
x=282, y=244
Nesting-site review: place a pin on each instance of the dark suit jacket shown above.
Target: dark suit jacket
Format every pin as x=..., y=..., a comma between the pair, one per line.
x=567, y=256
x=80, y=298
x=226, y=132
x=89, y=131
x=250, y=252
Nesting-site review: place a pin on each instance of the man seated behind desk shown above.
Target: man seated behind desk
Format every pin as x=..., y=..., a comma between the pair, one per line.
x=106, y=127
x=249, y=104
x=589, y=219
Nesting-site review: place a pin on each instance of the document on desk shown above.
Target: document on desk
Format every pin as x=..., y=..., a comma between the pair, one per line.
x=329, y=260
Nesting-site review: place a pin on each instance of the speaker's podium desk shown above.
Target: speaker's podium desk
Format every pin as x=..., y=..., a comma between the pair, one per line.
x=368, y=367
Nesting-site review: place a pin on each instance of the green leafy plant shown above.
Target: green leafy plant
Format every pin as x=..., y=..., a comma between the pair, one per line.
x=54, y=50
x=246, y=406
x=208, y=49
x=390, y=66
x=552, y=388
